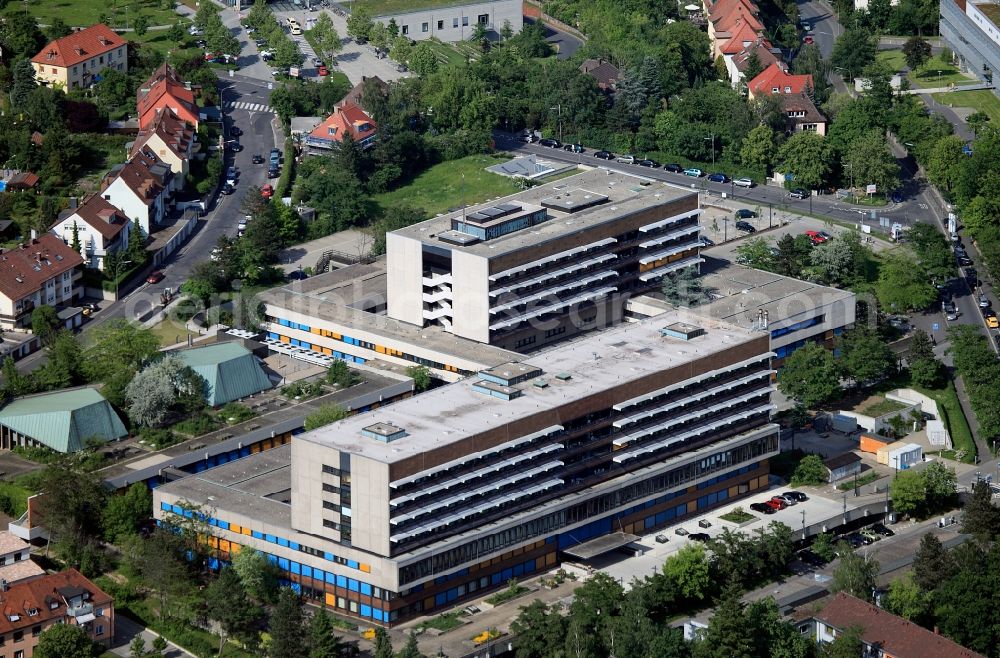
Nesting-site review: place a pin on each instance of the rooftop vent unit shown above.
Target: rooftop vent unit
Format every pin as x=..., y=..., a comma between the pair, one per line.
x=510, y=374
x=505, y=393
x=384, y=432
x=682, y=331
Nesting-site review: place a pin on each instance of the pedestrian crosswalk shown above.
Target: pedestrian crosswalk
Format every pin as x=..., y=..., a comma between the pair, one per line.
x=249, y=107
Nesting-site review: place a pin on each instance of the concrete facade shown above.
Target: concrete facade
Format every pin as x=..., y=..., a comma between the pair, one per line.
x=972, y=35
x=456, y=23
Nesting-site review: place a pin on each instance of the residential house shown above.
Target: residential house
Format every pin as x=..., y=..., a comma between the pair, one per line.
x=605, y=73
x=22, y=182
x=35, y=605
x=76, y=60
x=15, y=559
x=776, y=79
x=738, y=64
x=43, y=270
x=731, y=18
x=883, y=634
x=357, y=91
x=802, y=114
x=347, y=119
x=171, y=141
x=138, y=191
x=165, y=89
x=842, y=466
x=100, y=227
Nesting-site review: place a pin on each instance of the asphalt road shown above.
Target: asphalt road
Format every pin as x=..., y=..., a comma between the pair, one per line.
x=566, y=43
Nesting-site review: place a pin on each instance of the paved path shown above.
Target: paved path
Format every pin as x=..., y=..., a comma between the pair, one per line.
x=945, y=90
x=126, y=629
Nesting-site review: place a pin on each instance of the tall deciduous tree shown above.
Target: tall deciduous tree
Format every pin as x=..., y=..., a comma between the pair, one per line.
x=916, y=50
x=689, y=571
x=359, y=23
x=855, y=573
x=65, y=641
x=325, y=36
x=807, y=157
x=536, y=629
x=810, y=375
x=125, y=513
x=865, y=357
x=871, y=163
x=45, y=323
x=902, y=286
x=981, y=517
x=758, y=149
x=854, y=50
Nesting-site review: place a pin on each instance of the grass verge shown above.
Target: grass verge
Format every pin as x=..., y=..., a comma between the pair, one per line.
x=84, y=13
x=737, y=515
x=867, y=478
x=927, y=75
x=444, y=622
x=981, y=100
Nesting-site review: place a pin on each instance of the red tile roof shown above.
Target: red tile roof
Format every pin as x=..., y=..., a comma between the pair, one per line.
x=893, y=635
x=775, y=76
x=802, y=103
x=164, y=89
x=175, y=133
x=606, y=73
x=137, y=176
x=764, y=55
x=346, y=118
x=99, y=214
x=25, y=268
x=72, y=49
x=47, y=598
x=742, y=36
x=726, y=15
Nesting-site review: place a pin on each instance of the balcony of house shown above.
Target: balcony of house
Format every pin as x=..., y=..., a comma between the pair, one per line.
x=81, y=611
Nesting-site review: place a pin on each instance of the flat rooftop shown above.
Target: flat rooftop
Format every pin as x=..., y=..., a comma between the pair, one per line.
x=597, y=196
x=341, y=296
x=570, y=371
x=257, y=486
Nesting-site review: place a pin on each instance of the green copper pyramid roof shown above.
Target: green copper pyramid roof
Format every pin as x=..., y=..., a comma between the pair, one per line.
x=231, y=370
x=64, y=420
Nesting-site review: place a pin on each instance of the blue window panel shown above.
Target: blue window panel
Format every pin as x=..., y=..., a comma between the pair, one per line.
x=417, y=588
x=353, y=585
x=273, y=336
x=319, y=574
x=306, y=345
x=352, y=564
x=518, y=570
x=378, y=615
x=507, y=574
x=440, y=579
x=366, y=589
x=213, y=564
x=680, y=510
x=295, y=568
x=212, y=522
x=360, y=360
x=224, y=525
x=283, y=563
x=661, y=518
x=341, y=581
x=330, y=578
x=282, y=541
x=440, y=599
x=283, y=322
x=650, y=522
x=270, y=539
x=452, y=594
x=256, y=535
x=307, y=571
x=296, y=587
x=366, y=611
x=294, y=545
x=495, y=579
x=723, y=495
x=529, y=566
x=328, y=556
x=164, y=506
x=273, y=559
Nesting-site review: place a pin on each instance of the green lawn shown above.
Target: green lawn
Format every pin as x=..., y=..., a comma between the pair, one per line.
x=386, y=7
x=441, y=187
x=954, y=419
x=447, y=54
x=83, y=13
x=982, y=100
x=927, y=75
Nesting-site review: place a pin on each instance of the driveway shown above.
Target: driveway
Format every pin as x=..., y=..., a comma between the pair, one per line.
x=126, y=629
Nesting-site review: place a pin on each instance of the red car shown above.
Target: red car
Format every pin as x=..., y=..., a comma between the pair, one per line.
x=267, y=191
x=155, y=277
x=322, y=70
x=808, y=39
x=777, y=503
x=815, y=237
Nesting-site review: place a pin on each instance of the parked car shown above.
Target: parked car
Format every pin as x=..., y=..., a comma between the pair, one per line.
x=257, y=158
x=788, y=501
x=777, y=502
x=551, y=143
x=971, y=276
x=871, y=535
x=745, y=226
x=652, y=164
x=322, y=70
x=234, y=146
x=743, y=182
x=718, y=178
x=235, y=131
x=662, y=539
x=604, y=155
x=896, y=196
x=625, y=159
x=273, y=172
x=574, y=148
x=984, y=301
x=694, y=172
x=882, y=530
x=809, y=557
x=528, y=138
x=825, y=235
x=706, y=242
x=763, y=508
x=857, y=540
x=797, y=496
x=798, y=193
x=267, y=191
x=951, y=312
x=673, y=168
x=700, y=536
x=745, y=213
x=154, y=277
x=227, y=189
x=807, y=39
x=992, y=322
x=815, y=237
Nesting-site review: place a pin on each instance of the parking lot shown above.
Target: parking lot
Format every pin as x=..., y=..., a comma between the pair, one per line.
x=624, y=568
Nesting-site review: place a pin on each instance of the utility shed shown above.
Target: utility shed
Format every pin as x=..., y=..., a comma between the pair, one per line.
x=62, y=420
x=231, y=370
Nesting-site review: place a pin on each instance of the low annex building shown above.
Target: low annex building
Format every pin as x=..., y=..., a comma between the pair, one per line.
x=60, y=420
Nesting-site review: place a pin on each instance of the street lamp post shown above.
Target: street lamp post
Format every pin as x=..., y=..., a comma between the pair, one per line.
x=118, y=271
x=558, y=108
x=712, y=138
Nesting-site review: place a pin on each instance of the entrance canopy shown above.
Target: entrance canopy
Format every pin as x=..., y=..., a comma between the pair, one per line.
x=600, y=545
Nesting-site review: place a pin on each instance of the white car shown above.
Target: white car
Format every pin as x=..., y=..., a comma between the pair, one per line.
x=626, y=159
x=743, y=182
